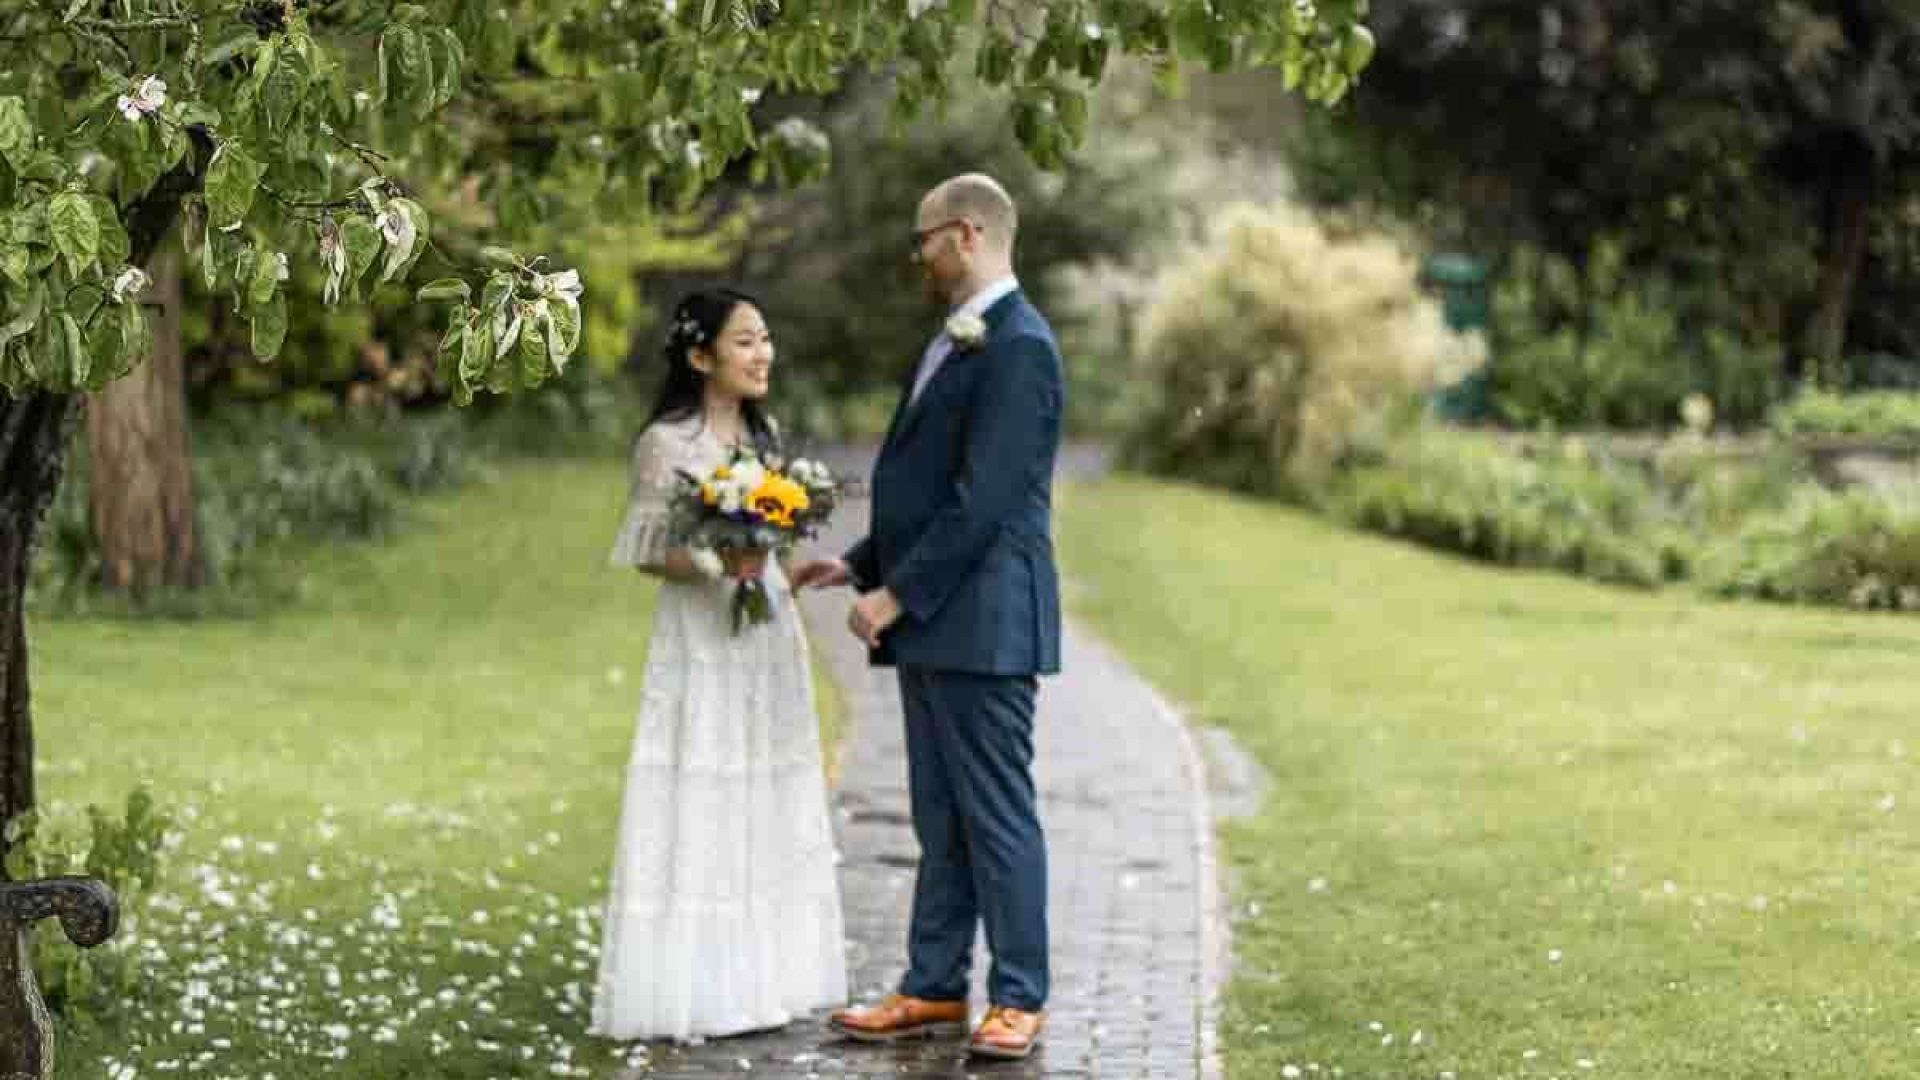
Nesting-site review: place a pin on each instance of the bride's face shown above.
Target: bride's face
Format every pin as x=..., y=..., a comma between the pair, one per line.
x=740, y=359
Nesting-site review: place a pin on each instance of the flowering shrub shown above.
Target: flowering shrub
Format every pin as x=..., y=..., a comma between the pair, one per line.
x=1284, y=349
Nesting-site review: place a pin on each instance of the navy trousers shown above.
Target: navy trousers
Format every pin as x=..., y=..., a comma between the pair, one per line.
x=983, y=857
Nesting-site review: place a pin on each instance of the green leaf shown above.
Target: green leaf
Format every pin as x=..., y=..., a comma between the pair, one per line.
x=445, y=289
x=45, y=166
x=208, y=266
x=406, y=71
x=1168, y=79
x=533, y=359
x=500, y=257
x=566, y=333
x=994, y=64
x=242, y=110
x=387, y=59
x=14, y=260
x=15, y=377
x=401, y=257
x=103, y=354
x=309, y=180
x=363, y=249
x=270, y=327
x=237, y=40
x=501, y=371
x=76, y=232
x=233, y=177
x=646, y=76
x=26, y=226
x=115, y=246
x=477, y=363
x=1093, y=59
x=495, y=296
x=1072, y=107
x=170, y=146
x=16, y=132
x=452, y=356
x=136, y=339
x=1040, y=60
x=198, y=114
x=264, y=64
x=1026, y=122
x=243, y=268
x=1193, y=29
x=136, y=150
x=74, y=345
x=283, y=88
x=266, y=278
x=1356, y=51
x=25, y=314
x=449, y=62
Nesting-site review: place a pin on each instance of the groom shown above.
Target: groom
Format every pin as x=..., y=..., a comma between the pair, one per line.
x=959, y=594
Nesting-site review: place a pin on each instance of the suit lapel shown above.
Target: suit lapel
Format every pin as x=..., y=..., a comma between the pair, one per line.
x=910, y=410
x=900, y=409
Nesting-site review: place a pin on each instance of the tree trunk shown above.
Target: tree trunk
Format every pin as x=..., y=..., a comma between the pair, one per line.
x=1850, y=191
x=33, y=432
x=141, y=490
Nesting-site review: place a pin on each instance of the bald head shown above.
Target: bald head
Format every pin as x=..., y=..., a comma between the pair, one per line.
x=979, y=198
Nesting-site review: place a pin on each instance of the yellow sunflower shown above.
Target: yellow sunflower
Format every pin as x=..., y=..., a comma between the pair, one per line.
x=777, y=499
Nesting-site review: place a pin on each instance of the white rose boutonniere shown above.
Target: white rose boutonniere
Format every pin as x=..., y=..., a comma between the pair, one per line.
x=967, y=330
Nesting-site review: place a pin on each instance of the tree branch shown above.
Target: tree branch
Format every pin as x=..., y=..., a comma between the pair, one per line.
x=134, y=26
x=153, y=216
x=371, y=158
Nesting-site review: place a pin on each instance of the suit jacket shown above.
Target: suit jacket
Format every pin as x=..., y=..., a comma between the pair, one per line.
x=962, y=523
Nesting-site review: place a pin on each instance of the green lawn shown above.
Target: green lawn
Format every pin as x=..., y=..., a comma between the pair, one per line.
x=398, y=797
x=1525, y=826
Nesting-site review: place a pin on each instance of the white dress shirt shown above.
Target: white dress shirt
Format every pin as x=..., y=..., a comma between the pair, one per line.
x=942, y=346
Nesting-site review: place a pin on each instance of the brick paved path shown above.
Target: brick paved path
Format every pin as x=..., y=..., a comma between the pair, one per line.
x=1138, y=941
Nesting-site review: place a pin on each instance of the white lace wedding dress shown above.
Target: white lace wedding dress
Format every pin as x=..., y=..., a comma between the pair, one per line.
x=725, y=909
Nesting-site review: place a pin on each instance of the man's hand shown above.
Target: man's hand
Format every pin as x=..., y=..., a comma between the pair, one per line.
x=823, y=574
x=871, y=616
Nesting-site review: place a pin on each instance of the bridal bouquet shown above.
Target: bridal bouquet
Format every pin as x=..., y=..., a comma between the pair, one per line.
x=750, y=508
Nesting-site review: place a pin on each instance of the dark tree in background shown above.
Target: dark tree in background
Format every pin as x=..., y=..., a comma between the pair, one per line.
x=1761, y=152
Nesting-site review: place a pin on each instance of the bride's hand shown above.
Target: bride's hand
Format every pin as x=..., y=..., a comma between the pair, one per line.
x=822, y=574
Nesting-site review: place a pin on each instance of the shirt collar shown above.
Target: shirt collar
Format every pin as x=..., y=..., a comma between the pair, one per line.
x=993, y=293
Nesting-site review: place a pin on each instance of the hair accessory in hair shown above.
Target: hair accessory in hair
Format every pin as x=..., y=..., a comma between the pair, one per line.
x=686, y=329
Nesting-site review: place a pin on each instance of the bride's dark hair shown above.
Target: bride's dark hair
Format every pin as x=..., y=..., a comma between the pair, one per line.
x=696, y=324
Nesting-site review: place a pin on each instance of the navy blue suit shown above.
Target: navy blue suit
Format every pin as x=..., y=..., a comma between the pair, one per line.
x=961, y=533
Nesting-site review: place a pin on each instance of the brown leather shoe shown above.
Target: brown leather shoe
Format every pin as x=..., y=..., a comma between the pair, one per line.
x=901, y=1017
x=1007, y=1034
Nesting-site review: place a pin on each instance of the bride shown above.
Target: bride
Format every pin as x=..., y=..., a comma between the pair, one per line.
x=725, y=909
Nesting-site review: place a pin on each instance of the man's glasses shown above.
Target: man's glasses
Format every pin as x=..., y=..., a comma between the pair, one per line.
x=921, y=236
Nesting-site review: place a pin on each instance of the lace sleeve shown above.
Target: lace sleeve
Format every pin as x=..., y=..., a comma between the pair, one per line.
x=643, y=537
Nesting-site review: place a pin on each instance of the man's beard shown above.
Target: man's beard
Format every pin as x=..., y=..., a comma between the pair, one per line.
x=931, y=288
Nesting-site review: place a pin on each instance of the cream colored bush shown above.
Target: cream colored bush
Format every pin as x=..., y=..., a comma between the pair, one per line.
x=1282, y=346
